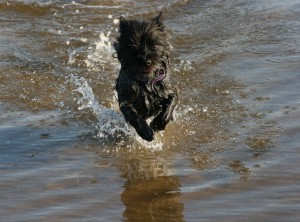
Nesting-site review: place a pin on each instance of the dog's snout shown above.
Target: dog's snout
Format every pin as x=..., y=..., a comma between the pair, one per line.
x=145, y=60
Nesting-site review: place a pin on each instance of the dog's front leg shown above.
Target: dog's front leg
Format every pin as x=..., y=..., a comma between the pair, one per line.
x=166, y=115
x=134, y=119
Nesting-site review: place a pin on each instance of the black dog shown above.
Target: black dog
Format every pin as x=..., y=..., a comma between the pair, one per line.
x=143, y=85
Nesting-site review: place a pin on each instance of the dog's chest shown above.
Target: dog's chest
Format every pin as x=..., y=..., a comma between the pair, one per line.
x=149, y=102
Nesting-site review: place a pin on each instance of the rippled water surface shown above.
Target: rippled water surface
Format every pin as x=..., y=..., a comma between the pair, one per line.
x=232, y=154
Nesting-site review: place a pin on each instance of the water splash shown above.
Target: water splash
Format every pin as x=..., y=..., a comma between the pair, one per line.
x=156, y=144
x=110, y=122
x=100, y=54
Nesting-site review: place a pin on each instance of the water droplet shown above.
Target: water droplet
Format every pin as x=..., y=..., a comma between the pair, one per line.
x=116, y=21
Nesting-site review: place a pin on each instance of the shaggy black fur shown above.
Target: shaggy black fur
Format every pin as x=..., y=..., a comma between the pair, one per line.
x=143, y=85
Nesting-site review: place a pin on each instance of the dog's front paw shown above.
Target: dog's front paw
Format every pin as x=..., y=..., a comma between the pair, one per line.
x=146, y=133
x=158, y=124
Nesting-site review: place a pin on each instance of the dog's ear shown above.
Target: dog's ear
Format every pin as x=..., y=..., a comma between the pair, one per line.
x=158, y=19
x=122, y=19
x=123, y=23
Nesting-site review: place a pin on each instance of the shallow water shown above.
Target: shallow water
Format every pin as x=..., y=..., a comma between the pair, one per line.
x=232, y=154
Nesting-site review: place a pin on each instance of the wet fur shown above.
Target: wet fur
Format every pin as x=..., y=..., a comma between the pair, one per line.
x=143, y=49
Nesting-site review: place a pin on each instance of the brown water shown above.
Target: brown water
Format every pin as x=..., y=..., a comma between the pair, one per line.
x=231, y=155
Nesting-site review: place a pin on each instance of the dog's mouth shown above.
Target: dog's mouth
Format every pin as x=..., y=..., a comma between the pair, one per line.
x=147, y=70
x=144, y=71
x=148, y=74
x=160, y=74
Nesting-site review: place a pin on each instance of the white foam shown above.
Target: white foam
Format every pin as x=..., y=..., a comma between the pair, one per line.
x=156, y=144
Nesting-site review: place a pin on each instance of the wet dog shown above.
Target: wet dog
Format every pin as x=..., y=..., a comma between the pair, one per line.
x=143, y=85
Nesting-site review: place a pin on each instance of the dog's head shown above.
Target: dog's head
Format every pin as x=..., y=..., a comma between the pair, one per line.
x=142, y=46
